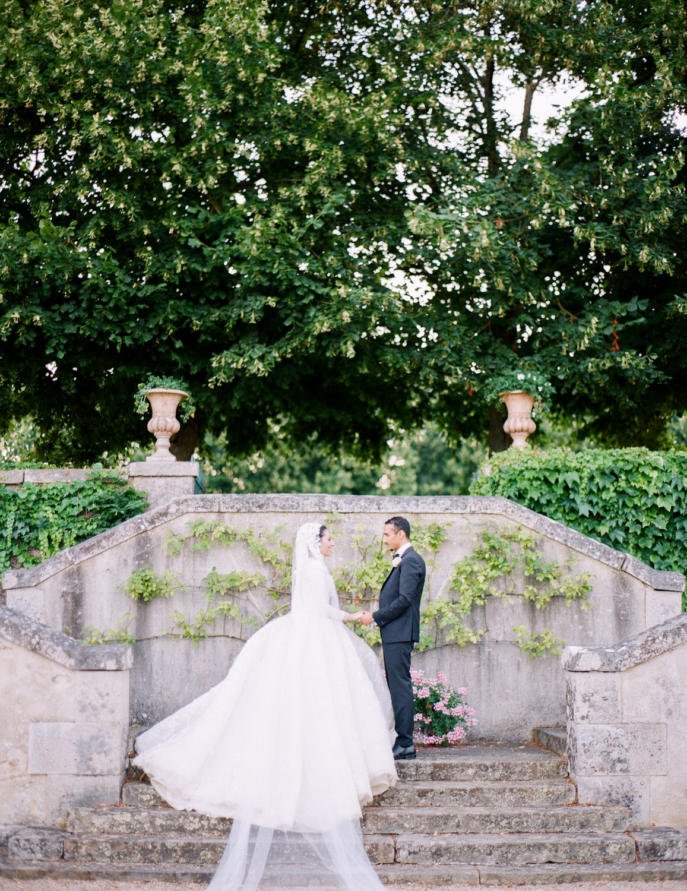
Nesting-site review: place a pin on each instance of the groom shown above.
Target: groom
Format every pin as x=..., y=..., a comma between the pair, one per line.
x=398, y=618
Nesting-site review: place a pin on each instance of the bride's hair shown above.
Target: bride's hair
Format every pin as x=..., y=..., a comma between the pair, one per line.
x=323, y=529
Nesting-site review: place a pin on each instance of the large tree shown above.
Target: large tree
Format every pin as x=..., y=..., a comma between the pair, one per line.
x=320, y=215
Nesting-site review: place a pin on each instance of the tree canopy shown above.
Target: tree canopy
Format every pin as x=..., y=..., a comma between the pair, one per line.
x=321, y=216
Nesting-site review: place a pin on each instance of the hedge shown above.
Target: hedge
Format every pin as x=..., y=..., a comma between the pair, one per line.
x=634, y=500
x=36, y=520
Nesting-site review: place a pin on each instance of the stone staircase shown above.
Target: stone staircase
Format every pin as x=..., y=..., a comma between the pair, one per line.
x=479, y=814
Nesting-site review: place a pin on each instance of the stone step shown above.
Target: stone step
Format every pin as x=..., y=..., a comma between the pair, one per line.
x=377, y=821
x=534, y=793
x=485, y=762
x=147, y=821
x=516, y=849
x=484, y=849
x=394, y=876
x=480, y=820
x=436, y=793
x=555, y=739
x=661, y=843
x=177, y=849
x=587, y=873
x=139, y=794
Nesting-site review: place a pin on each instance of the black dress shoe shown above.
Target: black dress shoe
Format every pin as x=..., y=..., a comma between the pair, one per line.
x=403, y=753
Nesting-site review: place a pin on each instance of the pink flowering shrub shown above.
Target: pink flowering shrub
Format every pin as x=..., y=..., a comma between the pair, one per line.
x=442, y=716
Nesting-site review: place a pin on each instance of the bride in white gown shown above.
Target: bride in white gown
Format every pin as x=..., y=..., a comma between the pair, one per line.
x=290, y=744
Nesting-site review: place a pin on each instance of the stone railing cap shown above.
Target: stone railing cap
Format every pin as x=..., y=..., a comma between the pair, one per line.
x=345, y=504
x=628, y=653
x=31, y=635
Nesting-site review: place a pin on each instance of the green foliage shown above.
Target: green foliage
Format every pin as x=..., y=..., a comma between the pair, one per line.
x=221, y=591
x=144, y=584
x=538, y=643
x=358, y=583
x=506, y=562
x=520, y=378
x=419, y=463
x=634, y=500
x=268, y=546
x=120, y=634
x=186, y=408
x=319, y=207
x=36, y=521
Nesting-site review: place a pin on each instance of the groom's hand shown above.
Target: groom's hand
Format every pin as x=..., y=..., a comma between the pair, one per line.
x=365, y=618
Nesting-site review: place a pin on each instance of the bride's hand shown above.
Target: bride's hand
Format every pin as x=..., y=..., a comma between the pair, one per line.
x=353, y=617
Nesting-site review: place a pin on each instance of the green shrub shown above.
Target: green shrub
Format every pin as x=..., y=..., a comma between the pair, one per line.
x=36, y=521
x=634, y=500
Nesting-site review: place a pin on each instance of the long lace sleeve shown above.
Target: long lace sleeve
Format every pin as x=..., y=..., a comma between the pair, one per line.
x=333, y=608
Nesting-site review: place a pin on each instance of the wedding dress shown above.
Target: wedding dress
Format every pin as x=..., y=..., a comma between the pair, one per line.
x=290, y=744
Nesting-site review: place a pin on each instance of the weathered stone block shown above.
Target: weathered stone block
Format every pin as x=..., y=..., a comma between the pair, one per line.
x=55, y=474
x=608, y=749
x=662, y=843
x=627, y=791
x=655, y=689
x=163, y=480
x=75, y=748
x=11, y=478
x=661, y=606
x=593, y=698
x=35, y=845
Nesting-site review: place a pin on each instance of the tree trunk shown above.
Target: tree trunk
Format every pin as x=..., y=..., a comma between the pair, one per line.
x=527, y=111
x=499, y=441
x=183, y=444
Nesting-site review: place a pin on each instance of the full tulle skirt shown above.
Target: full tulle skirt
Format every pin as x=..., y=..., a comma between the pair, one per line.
x=290, y=744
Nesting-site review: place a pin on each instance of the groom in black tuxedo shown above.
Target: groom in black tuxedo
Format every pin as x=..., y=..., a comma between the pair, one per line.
x=398, y=618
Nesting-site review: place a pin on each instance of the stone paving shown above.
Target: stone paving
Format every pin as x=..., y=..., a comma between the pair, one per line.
x=50, y=885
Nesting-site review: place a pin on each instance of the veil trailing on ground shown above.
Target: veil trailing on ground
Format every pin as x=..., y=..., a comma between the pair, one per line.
x=314, y=851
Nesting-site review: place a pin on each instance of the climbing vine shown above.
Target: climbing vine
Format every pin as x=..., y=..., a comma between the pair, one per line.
x=358, y=583
x=144, y=584
x=505, y=562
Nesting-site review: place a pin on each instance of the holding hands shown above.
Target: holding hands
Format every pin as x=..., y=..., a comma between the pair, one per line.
x=363, y=617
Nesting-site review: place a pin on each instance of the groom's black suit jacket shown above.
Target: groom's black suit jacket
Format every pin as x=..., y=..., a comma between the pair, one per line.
x=398, y=616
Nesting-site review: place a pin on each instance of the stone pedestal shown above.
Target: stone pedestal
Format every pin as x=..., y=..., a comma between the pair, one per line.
x=163, y=480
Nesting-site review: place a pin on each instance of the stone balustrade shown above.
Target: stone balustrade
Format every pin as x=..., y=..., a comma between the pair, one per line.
x=65, y=720
x=83, y=587
x=627, y=723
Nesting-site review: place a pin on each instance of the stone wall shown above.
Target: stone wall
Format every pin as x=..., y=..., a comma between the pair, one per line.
x=84, y=586
x=160, y=480
x=15, y=478
x=65, y=720
x=627, y=723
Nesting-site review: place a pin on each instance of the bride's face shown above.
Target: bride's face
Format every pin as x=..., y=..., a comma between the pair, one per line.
x=326, y=543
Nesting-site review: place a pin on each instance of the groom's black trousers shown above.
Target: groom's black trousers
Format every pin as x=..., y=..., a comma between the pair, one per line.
x=397, y=667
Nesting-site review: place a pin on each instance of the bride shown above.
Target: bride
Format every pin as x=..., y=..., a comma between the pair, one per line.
x=290, y=744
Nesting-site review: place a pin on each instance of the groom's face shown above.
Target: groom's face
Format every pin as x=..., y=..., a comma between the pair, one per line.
x=393, y=538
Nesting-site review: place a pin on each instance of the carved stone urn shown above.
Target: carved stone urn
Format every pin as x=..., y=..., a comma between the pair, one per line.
x=519, y=423
x=164, y=423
